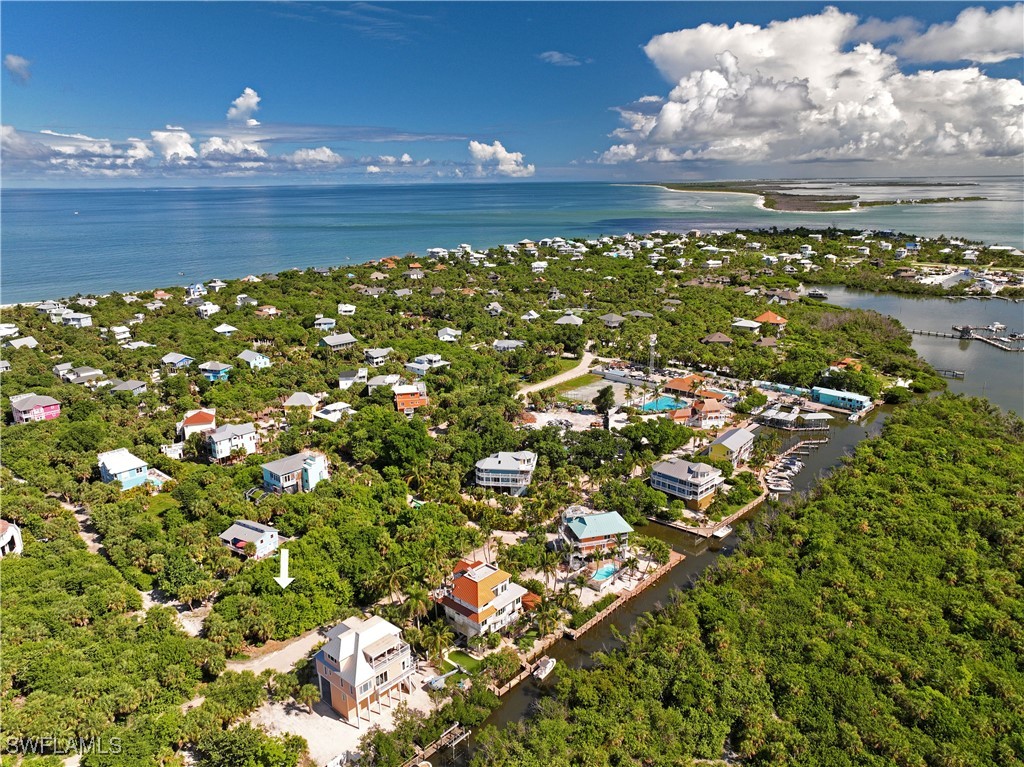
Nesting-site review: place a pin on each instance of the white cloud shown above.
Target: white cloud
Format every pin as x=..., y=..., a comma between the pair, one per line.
x=796, y=90
x=873, y=30
x=320, y=156
x=252, y=123
x=372, y=169
x=230, y=149
x=494, y=157
x=174, y=144
x=245, y=105
x=560, y=59
x=976, y=35
x=405, y=159
x=18, y=66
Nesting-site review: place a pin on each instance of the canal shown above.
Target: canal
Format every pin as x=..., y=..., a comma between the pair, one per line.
x=990, y=372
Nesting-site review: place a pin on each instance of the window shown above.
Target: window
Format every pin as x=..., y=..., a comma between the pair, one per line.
x=381, y=678
x=364, y=688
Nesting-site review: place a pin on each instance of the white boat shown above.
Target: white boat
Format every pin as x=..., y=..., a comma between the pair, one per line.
x=779, y=487
x=722, y=532
x=544, y=668
x=817, y=293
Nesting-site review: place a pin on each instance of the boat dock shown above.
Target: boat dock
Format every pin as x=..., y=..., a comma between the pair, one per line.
x=951, y=373
x=450, y=738
x=993, y=335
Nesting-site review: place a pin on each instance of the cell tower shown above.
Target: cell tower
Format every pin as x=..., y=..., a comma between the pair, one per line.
x=652, y=343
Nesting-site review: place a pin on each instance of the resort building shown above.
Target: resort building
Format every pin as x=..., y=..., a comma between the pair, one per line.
x=482, y=599
x=585, y=531
x=362, y=663
x=511, y=472
x=409, y=397
x=688, y=386
x=231, y=437
x=707, y=414
x=694, y=483
x=298, y=473
x=840, y=399
x=31, y=407
x=734, y=445
x=264, y=539
x=10, y=538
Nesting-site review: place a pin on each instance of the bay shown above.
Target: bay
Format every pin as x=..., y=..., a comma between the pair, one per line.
x=58, y=243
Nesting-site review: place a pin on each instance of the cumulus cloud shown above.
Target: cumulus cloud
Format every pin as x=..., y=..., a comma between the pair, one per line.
x=244, y=106
x=495, y=158
x=322, y=156
x=975, y=35
x=52, y=152
x=174, y=144
x=372, y=169
x=230, y=149
x=19, y=67
x=560, y=59
x=805, y=89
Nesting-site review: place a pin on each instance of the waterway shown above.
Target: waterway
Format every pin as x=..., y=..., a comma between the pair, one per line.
x=990, y=372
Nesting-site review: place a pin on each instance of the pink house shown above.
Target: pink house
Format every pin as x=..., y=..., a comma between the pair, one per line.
x=31, y=407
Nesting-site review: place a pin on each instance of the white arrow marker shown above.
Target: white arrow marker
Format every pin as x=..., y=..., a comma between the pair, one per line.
x=283, y=580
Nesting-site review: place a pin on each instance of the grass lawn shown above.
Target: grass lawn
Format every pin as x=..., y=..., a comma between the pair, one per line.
x=468, y=662
x=161, y=502
x=574, y=383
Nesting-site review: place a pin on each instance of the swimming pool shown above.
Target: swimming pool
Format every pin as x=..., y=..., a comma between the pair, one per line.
x=662, y=404
x=605, y=572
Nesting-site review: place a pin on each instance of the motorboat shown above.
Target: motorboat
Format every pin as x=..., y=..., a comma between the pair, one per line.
x=544, y=668
x=722, y=532
x=787, y=488
x=817, y=293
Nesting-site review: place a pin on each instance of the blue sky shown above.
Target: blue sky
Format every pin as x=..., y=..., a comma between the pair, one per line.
x=140, y=93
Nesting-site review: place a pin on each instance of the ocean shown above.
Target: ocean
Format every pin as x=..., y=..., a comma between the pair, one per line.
x=59, y=243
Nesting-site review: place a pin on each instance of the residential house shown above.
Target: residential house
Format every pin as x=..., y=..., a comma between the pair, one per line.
x=449, y=335
x=177, y=361
x=530, y=316
x=298, y=473
x=437, y=292
x=362, y=663
x=196, y=422
x=206, y=310
x=766, y=342
x=391, y=379
x=31, y=407
x=506, y=345
x=325, y=323
x=734, y=445
x=244, y=300
x=195, y=291
x=377, y=276
x=5, y=366
x=27, y=342
x=374, y=292
x=746, y=326
x=717, y=338
x=346, y=310
x=569, y=319
x=403, y=293
x=268, y=312
x=263, y=539
x=494, y=308
x=333, y=411
x=694, y=483
x=482, y=599
x=121, y=466
x=348, y=378
x=160, y=295
x=611, y=320
x=640, y=315
x=131, y=386
x=338, y=341
x=771, y=318
x=10, y=539
x=841, y=399
x=214, y=371
x=225, y=330
x=511, y=472
x=377, y=357
x=537, y=267
x=302, y=399
x=121, y=333
x=409, y=397
x=217, y=285
x=83, y=375
x=707, y=414
x=254, y=359
x=585, y=531
x=424, y=363
x=227, y=440
x=77, y=320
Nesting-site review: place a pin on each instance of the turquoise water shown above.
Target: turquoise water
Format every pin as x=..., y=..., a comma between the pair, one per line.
x=61, y=242
x=605, y=572
x=662, y=404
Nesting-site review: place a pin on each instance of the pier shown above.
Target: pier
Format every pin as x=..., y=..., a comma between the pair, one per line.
x=450, y=738
x=951, y=373
x=932, y=333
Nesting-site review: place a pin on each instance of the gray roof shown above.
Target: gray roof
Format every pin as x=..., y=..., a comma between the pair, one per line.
x=286, y=465
x=128, y=386
x=173, y=357
x=31, y=401
x=507, y=344
x=379, y=352
x=734, y=439
x=612, y=318
x=244, y=530
x=301, y=399
x=569, y=319
x=680, y=469
x=250, y=356
x=505, y=461
x=338, y=339
x=229, y=430
x=214, y=366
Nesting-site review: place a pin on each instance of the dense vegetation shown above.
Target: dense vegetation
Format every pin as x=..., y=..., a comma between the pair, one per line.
x=880, y=621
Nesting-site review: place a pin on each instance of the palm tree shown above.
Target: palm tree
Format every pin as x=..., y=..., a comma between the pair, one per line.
x=548, y=565
x=437, y=638
x=418, y=602
x=547, y=617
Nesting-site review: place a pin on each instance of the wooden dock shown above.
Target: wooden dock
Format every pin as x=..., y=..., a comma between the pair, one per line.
x=451, y=737
x=984, y=333
x=959, y=374
x=932, y=333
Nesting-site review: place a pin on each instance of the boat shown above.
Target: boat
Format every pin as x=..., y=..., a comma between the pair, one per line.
x=544, y=668
x=780, y=488
x=817, y=293
x=722, y=532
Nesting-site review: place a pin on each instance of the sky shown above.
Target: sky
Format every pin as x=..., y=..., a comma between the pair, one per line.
x=186, y=94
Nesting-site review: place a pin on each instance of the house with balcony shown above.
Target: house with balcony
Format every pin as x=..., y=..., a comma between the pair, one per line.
x=482, y=599
x=734, y=445
x=298, y=473
x=214, y=371
x=424, y=363
x=707, y=414
x=206, y=310
x=364, y=665
x=77, y=320
x=377, y=357
x=224, y=441
x=586, y=532
x=693, y=483
x=337, y=342
x=196, y=422
x=508, y=472
x=346, y=310
x=32, y=407
x=410, y=397
x=121, y=466
x=254, y=359
x=264, y=539
x=177, y=361
x=349, y=378
x=325, y=323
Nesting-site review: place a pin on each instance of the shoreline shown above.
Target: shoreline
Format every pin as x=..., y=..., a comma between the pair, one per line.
x=758, y=203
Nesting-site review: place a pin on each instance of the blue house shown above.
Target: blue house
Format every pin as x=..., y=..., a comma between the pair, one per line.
x=297, y=473
x=215, y=371
x=121, y=466
x=177, y=361
x=842, y=399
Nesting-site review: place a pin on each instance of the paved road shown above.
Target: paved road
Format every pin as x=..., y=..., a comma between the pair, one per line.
x=581, y=369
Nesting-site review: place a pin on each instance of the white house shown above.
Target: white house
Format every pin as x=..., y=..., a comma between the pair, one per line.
x=224, y=441
x=449, y=335
x=206, y=310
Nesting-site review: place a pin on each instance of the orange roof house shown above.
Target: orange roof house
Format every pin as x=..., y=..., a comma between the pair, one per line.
x=771, y=318
x=482, y=599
